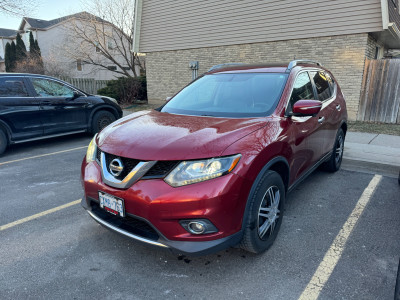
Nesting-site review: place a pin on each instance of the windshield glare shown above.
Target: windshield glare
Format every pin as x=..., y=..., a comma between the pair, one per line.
x=229, y=95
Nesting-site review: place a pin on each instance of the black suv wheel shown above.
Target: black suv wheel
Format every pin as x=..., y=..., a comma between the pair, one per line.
x=3, y=141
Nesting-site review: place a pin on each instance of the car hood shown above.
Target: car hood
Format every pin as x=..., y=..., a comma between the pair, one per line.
x=153, y=135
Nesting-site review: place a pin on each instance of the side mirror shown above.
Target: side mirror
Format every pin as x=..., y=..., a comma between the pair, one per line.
x=167, y=99
x=74, y=96
x=306, y=107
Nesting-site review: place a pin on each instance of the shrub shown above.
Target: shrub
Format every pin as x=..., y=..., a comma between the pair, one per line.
x=30, y=64
x=126, y=90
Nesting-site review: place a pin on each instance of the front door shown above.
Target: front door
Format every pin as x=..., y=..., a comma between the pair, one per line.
x=19, y=109
x=305, y=134
x=62, y=109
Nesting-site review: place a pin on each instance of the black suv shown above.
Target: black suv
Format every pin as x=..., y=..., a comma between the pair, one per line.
x=35, y=107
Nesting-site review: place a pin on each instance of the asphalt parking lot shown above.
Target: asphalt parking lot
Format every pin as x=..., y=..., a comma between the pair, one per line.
x=340, y=237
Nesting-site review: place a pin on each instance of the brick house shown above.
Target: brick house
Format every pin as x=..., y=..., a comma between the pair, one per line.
x=340, y=34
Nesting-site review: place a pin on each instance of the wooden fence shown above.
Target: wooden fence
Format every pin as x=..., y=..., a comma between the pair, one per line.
x=380, y=93
x=88, y=85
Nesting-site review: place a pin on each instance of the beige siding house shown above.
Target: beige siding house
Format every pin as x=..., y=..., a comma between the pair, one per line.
x=340, y=34
x=59, y=48
x=6, y=36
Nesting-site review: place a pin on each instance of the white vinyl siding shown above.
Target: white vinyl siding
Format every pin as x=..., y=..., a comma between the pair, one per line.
x=187, y=24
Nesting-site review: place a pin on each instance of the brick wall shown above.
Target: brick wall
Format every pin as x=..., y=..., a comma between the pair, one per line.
x=371, y=48
x=168, y=71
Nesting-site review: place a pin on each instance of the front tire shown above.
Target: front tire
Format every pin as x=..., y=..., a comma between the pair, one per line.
x=265, y=214
x=335, y=160
x=101, y=119
x=3, y=141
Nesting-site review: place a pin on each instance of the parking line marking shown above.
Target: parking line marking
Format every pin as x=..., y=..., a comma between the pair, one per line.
x=332, y=256
x=42, y=155
x=38, y=215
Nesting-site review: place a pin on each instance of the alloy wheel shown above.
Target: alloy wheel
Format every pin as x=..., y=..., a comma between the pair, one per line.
x=339, y=149
x=103, y=122
x=268, y=213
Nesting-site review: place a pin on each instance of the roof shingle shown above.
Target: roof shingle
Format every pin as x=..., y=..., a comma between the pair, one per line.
x=4, y=32
x=43, y=24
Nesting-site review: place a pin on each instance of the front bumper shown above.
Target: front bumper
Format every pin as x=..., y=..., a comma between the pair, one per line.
x=161, y=207
x=177, y=247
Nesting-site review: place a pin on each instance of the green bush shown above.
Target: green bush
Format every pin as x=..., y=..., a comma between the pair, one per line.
x=126, y=90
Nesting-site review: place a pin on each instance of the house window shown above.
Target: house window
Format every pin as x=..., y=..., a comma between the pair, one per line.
x=112, y=68
x=110, y=45
x=97, y=47
x=79, y=66
x=378, y=52
x=126, y=68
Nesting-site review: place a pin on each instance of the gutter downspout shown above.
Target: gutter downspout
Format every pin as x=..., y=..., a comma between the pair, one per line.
x=136, y=25
x=385, y=14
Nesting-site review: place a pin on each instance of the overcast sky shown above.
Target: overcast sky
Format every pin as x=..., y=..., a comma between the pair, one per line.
x=48, y=10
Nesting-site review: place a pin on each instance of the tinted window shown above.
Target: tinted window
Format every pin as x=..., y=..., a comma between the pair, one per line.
x=229, y=95
x=50, y=88
x=12, y=87
x=322, y=85
x=302, y=89
x=331, y=82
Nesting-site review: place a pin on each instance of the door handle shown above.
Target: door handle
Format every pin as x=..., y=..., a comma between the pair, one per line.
x=321, y=120
x=338, y=107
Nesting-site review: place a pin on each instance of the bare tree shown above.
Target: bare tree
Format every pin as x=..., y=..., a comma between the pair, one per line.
x=17, y=8
x=105, y=35
x=53, y=66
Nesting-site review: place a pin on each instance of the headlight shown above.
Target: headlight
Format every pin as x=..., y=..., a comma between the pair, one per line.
x=188, y=172
x=91, y=150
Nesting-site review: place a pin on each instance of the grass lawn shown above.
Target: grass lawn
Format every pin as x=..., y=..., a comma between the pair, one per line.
x=393, y=129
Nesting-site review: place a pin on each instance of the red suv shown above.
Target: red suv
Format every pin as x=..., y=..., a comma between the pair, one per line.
x=211, y=168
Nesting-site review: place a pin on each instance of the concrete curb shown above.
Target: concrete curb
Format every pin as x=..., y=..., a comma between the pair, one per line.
x=352, y=164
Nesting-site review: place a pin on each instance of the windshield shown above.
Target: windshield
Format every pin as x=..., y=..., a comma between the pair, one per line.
x=229, y=95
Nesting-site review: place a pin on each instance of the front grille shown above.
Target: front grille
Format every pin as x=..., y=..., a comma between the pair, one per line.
x=159, y=170
x=129, y=164
x=98, y=154
x=129, y=223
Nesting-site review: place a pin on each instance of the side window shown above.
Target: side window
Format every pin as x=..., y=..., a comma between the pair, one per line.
x=302, y=89
x=50, y=88
x=331, y=82
x=322, y=85
x=12, y=87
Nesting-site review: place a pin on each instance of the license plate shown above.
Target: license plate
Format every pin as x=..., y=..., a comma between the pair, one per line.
x=112, y=204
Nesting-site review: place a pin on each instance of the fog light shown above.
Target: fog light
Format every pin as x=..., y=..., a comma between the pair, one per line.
x=196, y=227
x=201, y=226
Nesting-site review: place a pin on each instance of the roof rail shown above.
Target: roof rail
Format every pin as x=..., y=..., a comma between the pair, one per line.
x=224, y=65
x=294, y=63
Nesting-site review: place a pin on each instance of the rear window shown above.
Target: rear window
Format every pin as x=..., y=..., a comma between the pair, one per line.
x=229, y=95
x=322, y=84
x=12, y=87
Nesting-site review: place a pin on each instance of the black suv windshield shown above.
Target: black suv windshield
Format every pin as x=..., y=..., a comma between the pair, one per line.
x=229, y=95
